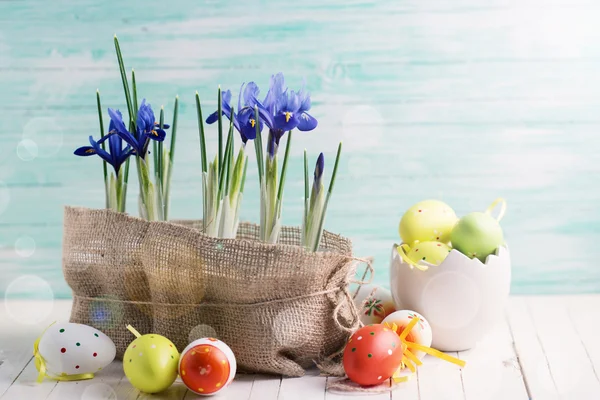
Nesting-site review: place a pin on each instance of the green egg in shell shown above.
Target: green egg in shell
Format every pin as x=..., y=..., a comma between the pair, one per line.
x=431, y=252
x=151, y=362
x=477, y=235
x=428, y=220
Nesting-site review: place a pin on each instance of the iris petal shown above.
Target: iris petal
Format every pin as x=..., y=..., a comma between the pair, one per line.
x=212, y=118
x=284, y=123
x=117, y=120
x=306, y=122
x=304, y=98
x=251, y=94
x=158, y=135
x=85, y=151
x=266, y=116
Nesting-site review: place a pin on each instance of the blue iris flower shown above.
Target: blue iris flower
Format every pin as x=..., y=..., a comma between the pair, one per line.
x=283, y=110
x=243, y=121
x=146, y=128
x=116, y=154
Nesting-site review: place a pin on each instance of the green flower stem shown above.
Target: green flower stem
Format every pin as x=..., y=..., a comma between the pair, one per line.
x=135, y=98
x=220, y=124
x=170, y=160
x=201, y=131
x=205, y=177
x=223, y=170
x=106, y=188
x=228, y=158
x=258, y=147
x=125, y=183
x=237, y=176
x=271, y=180
x=244, y=175
x=305, y=218
x=329, y=191
x=284, y=167
x=159, y=167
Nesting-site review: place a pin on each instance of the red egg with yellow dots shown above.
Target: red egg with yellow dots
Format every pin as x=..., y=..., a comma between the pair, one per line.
x=207, y=366
x=372, y=355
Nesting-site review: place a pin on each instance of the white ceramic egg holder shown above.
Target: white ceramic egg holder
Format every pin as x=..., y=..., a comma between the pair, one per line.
x=462, y=298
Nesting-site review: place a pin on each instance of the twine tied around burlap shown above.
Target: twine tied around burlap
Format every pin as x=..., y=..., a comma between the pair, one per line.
x=279, y=307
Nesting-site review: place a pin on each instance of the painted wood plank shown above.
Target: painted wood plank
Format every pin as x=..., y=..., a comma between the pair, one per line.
x=492, y=370
x=177, y=391
x=569, y=362
x=337, y=395
x=585, y=315
x=532, y=358
x=440, y=380
x=240, y=388
x=100, y=387
x=408, y=390
x=309, y=386
x=25, y=386
x=13, y=363
x=265, y=387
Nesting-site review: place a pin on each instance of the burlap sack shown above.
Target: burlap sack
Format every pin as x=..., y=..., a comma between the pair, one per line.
x=280, y=308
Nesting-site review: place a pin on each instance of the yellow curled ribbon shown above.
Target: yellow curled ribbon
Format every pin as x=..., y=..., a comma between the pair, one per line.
x=409, y=360
x=40, y=365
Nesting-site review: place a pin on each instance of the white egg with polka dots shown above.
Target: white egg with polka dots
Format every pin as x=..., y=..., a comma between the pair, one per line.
x=75, y=351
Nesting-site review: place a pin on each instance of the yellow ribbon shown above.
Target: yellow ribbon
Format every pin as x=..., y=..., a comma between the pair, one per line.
x=402, y=250
x=410, y=360
x=502, y=203
x=40, y=365
x=134, y=331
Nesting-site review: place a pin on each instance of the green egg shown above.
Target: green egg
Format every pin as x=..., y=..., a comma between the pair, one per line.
x=477, y=235
x=151, y=363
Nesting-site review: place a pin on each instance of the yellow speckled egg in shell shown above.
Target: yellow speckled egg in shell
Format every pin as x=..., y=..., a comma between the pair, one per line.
x=428, y=220
x=430, y=252
x=151, y=362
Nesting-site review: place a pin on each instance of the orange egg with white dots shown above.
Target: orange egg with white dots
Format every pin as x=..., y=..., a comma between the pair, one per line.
x=207, y=366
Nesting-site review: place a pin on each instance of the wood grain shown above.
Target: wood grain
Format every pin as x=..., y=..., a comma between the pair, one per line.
x=460, y=101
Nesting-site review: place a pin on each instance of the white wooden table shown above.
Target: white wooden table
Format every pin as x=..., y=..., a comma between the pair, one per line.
x=546, y=348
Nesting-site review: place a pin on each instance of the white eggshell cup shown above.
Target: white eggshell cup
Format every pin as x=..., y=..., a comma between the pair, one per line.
x=461, y=298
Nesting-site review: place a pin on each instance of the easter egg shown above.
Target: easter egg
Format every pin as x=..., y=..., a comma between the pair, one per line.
x=431, y=252
x=150, y=363
x=207, y=366
x=374, y=303
x=420, y=333
x=372, y=355
x=428, y=220
x=73, y=349
x=477, y=235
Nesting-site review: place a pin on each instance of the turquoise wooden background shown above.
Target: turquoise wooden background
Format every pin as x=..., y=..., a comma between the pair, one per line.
x=460, y=100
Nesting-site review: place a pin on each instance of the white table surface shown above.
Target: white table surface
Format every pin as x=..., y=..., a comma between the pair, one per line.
x=546, y=348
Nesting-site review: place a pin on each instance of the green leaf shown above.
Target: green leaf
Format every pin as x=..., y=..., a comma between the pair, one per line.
x=258, y=147
x=124, y=80
x=160, y=153
x=244, y=175
x=135, y=98
x=335, y=168
x=202, y=137
x=223, y=170
x=236, y=176
x=220, y=124
x=284, y=167
x=106, y=189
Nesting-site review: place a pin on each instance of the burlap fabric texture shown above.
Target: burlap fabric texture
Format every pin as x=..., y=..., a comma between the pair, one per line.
x=280, y=308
